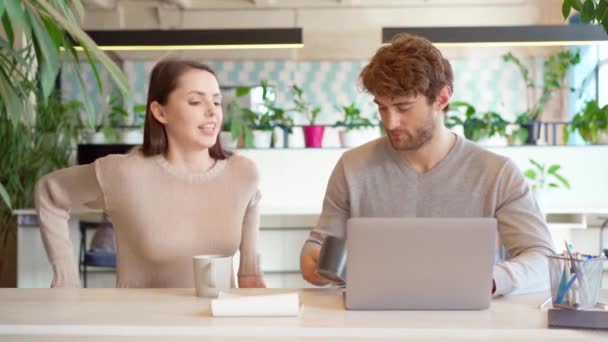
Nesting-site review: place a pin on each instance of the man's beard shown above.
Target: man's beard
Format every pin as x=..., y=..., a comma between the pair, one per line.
x=421, y=136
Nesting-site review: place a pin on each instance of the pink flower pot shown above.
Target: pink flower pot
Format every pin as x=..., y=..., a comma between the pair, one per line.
x=313, y=135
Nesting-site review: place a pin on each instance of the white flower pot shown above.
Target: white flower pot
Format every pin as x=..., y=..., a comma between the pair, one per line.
x=227, y=140
x=358, y=136
x=603, y=137
x=97, y=138
x=262, y=139
x=279, y=135
x=132, y=136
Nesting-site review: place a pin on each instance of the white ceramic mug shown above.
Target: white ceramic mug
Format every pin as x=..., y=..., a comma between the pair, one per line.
x=212, y=274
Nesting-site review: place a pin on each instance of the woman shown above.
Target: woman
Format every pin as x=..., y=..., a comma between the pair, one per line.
x=179, y=195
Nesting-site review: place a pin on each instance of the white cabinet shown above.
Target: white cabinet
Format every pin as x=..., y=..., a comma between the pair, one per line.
x=280, y=243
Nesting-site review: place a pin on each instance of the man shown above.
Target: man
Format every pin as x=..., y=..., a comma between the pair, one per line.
x=422, y=169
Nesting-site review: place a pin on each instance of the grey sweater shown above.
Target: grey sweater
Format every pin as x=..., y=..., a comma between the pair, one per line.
x=373, y=180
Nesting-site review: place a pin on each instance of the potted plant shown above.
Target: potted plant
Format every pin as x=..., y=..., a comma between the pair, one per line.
x=259, y=124
x=133, y=132
x=555, y=70
x=230, y=134
x=591, y=123
x=476, y=126
x=30, y=62
x=313, y=133
x=591, y=11
x=29, y=150
x=122, y=126
x=357, y=129
x=542, y=177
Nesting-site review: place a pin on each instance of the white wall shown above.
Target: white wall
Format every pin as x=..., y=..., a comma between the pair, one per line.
x=294, y=181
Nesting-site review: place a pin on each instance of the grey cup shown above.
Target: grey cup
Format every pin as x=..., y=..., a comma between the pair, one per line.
x=332, y=259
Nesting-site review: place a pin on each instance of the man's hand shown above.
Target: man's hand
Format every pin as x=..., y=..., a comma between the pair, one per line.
x=308, y=266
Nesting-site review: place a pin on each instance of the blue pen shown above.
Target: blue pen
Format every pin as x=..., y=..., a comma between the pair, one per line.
x=560, y=296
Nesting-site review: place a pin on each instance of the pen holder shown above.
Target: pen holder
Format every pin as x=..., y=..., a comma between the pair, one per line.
x=575, y=283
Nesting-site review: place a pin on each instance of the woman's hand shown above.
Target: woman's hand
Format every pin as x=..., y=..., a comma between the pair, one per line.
x=251, y=281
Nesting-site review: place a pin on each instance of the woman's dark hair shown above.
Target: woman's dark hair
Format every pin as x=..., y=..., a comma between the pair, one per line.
x=163, y=81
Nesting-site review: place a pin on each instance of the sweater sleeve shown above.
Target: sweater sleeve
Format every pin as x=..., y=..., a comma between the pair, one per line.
x=336, y=210
x=249, y=259
x=524, y=233
x=56, y=195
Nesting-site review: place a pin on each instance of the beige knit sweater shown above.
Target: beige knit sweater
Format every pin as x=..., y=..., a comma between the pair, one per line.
x=162, y=216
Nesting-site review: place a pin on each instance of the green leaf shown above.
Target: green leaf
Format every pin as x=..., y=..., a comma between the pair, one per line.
x=16, y=15
x=541, y=168
x=74, y=30
x=577, y=5
x=563, y=181
x=242, y=91
x=248, y=138
x=566, y=7
x=553, y=168
x=588, y=12
x=5, y=197
x=530, y=174
x=8, y=29
x=553, y=185
x=566, y=133
x=601, y=10
x=12, y=98
x=47, y=52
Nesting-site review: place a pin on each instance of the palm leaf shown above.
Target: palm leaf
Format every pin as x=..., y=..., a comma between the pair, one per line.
x=47, y=52
x=5, y=197
x=87, y=44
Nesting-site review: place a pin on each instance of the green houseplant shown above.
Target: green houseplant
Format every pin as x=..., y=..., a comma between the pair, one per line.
x=476, y=125
x=555, y=70
x=591, y=123
x=313, y=133
x=357, y=129
x=542, y=177
x=591, y=11
x=36, y=42
x=258, y=125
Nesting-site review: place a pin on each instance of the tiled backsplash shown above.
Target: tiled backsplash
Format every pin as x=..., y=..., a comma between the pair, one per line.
x=488, y=83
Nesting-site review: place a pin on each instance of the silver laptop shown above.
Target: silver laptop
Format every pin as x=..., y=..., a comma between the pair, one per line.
x=420, y=263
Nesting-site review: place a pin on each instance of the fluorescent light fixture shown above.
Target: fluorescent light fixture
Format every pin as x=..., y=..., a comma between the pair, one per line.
x=146, y=40
x=535, y=35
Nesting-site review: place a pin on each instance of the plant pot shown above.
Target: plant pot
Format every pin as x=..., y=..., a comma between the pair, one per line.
x=313, y=136
x=604, y=137
x=533, y=128
x=227, y=140
x=97, y=138
x=133, y=136
x=262, y=138
x=279, y=137
x=358, y=136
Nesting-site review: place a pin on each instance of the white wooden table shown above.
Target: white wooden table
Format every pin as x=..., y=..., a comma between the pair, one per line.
x=176, y=314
